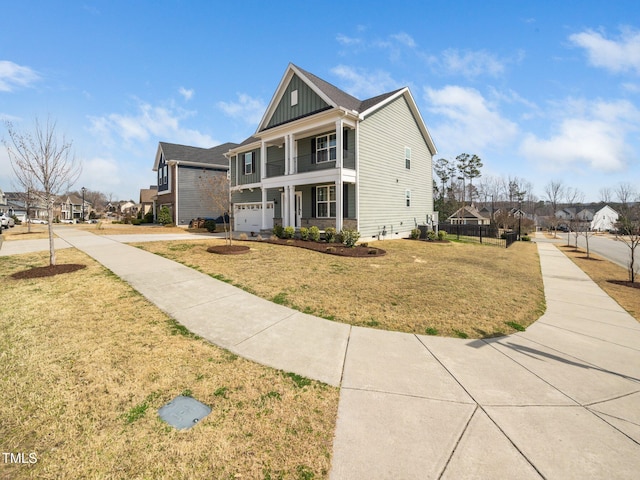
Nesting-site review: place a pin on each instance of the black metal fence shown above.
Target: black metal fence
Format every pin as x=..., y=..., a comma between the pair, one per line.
x=486, y=234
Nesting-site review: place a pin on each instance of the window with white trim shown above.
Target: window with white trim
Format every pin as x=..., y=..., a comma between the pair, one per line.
x=326, y=201
x=326, y=148
x=407, y=158
x=294, y=98
x=407, y=198
x=248, y=163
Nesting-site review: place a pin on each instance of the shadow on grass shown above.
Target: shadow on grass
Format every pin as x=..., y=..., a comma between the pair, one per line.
x=625, y=283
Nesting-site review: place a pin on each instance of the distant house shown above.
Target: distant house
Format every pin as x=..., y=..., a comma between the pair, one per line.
x=321, y=157
x=182, y=171
x=468, y=215
x=147, y=199
x=585, y=215
x=70, y=207
x=604, y=219
x=129, y=208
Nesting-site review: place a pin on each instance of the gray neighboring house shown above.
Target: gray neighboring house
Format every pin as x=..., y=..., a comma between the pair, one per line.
x=323, y=157
x=181, y=173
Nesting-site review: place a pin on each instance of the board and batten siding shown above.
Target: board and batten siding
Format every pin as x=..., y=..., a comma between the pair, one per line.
x=308, y=102
x=193, y=201
x=384, y=178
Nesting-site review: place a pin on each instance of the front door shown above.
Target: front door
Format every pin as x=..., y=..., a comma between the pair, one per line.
x=298, y=209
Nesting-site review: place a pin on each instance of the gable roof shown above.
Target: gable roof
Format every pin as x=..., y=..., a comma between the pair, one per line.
x=468, y=211
x=339, y=99
x=147, y=194
x=183, y=153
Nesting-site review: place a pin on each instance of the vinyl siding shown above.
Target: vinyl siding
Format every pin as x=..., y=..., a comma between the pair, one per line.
x=193, y=201
x=308, y=102
x=383, y=178
x=243, y=179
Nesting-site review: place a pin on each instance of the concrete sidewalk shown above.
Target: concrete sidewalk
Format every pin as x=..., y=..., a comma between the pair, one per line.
x=559, y=401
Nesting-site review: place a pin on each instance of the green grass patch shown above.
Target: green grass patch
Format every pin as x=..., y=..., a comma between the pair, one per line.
x=515, y=326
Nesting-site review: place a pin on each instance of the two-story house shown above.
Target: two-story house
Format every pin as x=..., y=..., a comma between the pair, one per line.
x=183, y=175
x=323, y=157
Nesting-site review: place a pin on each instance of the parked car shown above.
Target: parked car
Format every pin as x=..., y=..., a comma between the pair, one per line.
x=38, y=221
x=6, y=221
x=67, y=220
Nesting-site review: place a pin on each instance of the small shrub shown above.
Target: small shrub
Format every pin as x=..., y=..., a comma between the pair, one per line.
x=330, y=234
x=210, y=225
x=431, y=235
x=243, y=236
x=278, y=231
x=164, y=217
x=304, y=233
x=442, y=235
x=273, y=238
x=136, y=221
x=349, y=237
x=259, y=238
x=415, y=234
x=331, y=249
x=314, y=234
x=289, y=232
x=525, y=238
x=148, y=218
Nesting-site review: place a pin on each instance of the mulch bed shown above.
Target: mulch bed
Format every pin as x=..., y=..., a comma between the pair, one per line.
x=358, y=251
x=48, y=271
x=228, y=249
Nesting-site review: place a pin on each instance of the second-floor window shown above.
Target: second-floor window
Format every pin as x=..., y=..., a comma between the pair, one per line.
x=407, y=158
x=326, y=148
x=249, y=163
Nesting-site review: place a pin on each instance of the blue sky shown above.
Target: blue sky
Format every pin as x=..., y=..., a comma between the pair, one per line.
x=540, y=90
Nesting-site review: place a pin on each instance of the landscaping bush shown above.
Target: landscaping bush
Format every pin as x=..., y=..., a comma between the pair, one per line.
x=431, y=235
x=210, y=225
x=164, y=217
x=330, y=234
x=289, y=232
x=304, y=233
x=148, y=218
x=314, y=234
x=415, y=233
x=442, y=235
x=136, y=221
x=525, y=238
x=350, y=237
x=243, y=236
x=278, y=231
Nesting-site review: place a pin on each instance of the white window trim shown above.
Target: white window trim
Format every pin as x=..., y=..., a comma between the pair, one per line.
x=248, y=171
x=328, y=148
x=328, y=201
x=294, y=98
x=407, y=158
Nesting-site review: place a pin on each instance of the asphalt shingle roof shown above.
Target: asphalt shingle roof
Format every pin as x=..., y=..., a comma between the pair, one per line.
x=211, y=156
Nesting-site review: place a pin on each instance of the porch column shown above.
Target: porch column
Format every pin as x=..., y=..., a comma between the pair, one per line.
x=339, y=182
x=292, y=205
x=285, y=206
x=287, y=154
x=264, y=209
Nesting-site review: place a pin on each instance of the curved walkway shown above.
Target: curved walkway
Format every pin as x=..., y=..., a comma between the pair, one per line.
x=559, y=401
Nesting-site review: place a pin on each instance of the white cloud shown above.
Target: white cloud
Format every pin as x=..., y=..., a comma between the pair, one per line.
x=405, y=39
x=469, y=121
x=616, y=55
x=348, y=41
x=14, y=76
x=246, y=108
x=364, y=84
x=470, y=63
x=187, y=94
x=589, y=134
x=150, y=123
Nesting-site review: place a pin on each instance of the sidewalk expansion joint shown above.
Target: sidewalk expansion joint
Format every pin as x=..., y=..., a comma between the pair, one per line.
x=409, y=395
x=459, y=439
x=617, y=397
x=344, y=358
x=591, y=336
x=294, y=312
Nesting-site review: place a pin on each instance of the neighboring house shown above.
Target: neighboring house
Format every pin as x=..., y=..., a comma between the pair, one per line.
x=566, y=214
x=147, y=199
x=325, y=158
x=468, y=215
x=69, y=207
x=585, y=215
x=604, y=219
x=183, y=174
x=129, y=208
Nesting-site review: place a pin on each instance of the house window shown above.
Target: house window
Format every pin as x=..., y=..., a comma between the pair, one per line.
x=165, y=174
x=294, y=98
x=407, y=158
x=249, y=165
x=407, y=198
x=326, y=148
x=326, y=201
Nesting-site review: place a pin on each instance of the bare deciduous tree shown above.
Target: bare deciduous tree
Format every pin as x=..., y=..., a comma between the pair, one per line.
x=45, y=162
x=554, y=190
x=217, y=189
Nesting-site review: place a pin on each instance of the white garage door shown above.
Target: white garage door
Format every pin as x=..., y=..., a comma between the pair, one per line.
x=248, y=216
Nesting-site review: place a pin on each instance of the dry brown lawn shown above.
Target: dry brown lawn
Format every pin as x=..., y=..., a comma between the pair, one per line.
x=20, y=232
x=454, y=289
x=85, y=362
x=609, y=276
